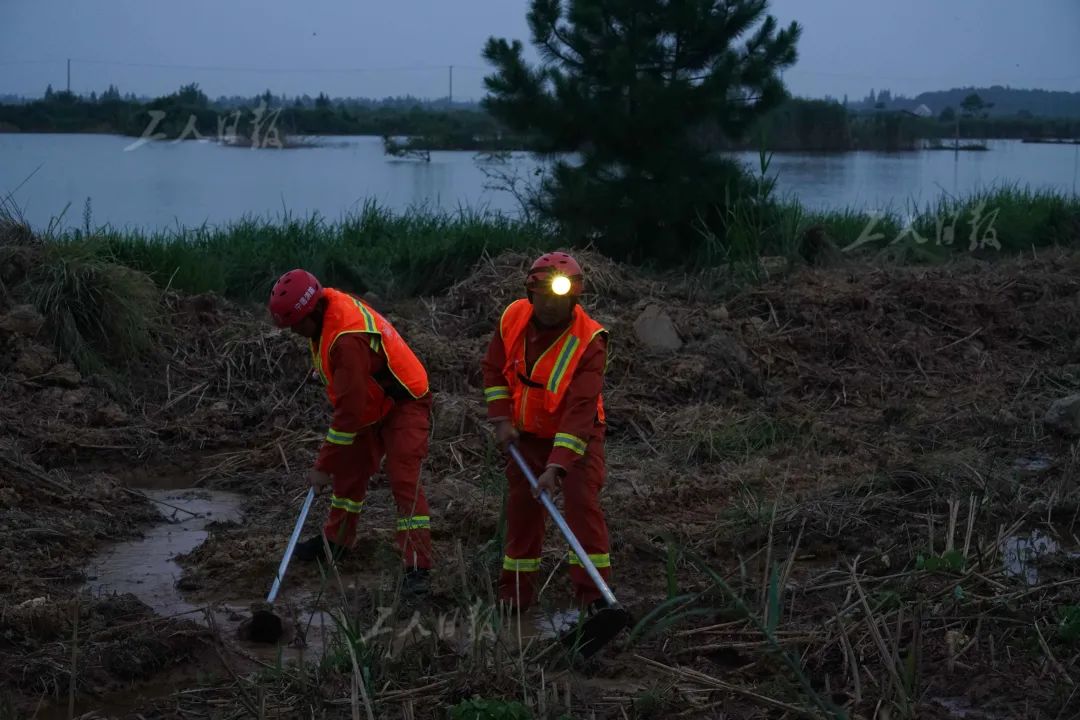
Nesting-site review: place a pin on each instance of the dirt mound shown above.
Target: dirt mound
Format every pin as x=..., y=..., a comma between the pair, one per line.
x=121, y=641
x=52, y=522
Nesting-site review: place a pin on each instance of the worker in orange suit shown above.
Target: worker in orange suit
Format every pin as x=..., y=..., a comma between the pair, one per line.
x=543, y=377
x=382, y=410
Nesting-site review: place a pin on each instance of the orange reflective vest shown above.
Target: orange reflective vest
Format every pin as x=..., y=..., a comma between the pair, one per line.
x=537, y=398
x=347, y=314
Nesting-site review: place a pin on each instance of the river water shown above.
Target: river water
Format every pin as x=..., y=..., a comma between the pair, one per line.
x=165, y=184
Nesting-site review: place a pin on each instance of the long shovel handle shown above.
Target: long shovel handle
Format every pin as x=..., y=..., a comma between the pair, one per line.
x=291, y=546
x=580, y=551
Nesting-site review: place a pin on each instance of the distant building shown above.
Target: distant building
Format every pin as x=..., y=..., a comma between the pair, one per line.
x=923, y=111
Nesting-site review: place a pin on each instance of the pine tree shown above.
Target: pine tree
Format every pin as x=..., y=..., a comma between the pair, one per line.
x=641, y=91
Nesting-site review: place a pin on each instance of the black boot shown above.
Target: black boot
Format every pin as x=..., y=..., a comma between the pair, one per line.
x=594, y=607
x=416, y=583
x=312, y=549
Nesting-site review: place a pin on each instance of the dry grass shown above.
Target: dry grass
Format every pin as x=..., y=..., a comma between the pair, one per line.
x=817, y=488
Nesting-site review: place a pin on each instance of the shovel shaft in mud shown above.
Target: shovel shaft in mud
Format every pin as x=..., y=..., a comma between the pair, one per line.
x=291, y=546
x=583, y=556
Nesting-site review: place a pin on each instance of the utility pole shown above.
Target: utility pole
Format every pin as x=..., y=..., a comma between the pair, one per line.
x=69, y=77
x=451, y=84
x=1076, y=164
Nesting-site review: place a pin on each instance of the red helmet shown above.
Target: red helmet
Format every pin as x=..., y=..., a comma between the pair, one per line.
x=548, y=268
x=294, y=297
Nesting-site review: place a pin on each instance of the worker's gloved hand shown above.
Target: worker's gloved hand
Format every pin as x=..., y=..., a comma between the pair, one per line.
x=505, y=433
x=550, y=480
x=318, y=479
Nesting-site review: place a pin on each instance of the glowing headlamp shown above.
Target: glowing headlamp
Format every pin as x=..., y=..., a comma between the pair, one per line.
x=560, y=285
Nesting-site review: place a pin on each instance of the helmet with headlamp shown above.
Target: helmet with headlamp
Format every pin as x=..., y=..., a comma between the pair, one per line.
x=555, y=273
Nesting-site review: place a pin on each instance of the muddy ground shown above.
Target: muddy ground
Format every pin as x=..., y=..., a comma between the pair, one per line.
x=853, y=458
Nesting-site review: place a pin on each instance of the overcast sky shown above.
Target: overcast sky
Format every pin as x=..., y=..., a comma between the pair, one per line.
x=378, y=48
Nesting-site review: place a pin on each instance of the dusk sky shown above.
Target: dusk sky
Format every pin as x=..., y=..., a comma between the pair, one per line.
x=378, y=49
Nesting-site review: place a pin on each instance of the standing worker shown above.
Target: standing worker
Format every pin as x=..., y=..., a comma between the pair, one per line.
x=382, y=409
x=543, y=377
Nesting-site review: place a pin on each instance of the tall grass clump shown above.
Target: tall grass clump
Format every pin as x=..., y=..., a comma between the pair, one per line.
x=99, y=312
x=1005, y=219
x=395, y=255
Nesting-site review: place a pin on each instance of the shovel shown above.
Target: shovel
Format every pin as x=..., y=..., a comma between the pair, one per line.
x=266, y=627
x=603, y=626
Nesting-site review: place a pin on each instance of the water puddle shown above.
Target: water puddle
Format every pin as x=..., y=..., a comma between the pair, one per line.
x=146, y=567
x=1033, y=464
x=961, y=708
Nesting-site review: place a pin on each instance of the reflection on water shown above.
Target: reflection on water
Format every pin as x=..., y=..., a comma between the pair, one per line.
x=146, y=567
x=160, y=185
x=878, y=180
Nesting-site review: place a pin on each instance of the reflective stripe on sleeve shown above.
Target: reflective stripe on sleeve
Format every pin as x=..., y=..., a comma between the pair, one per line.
x=570, y=442
x=499, y=392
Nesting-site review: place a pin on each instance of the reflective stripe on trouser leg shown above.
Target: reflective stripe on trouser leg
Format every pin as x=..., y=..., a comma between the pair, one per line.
x=585, y=517
x=414, y=540
x=349, y=491
x=342, y=520
x=519, y=577
x=405, y=436
x=599, y=560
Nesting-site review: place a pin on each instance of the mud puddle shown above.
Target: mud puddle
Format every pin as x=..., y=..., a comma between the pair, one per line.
x=146, y=567
x=128, y=703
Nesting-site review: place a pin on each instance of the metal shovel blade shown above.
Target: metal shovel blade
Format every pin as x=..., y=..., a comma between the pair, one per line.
x=596, y=632
x=265, y=627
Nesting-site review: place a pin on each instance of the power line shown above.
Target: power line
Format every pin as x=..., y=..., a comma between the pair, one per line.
x=238, y=68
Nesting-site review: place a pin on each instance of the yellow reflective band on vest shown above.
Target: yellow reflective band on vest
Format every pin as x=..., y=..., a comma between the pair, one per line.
x=416, y=522
x=600, y=560
x=570, y=442
x=562, y=362
x=521, y=564
x=340, y=438
x=369, y=320
x=499, y=392
x=346, y=504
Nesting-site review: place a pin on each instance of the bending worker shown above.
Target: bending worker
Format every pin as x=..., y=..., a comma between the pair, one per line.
x=543, y=377
x=382, y=409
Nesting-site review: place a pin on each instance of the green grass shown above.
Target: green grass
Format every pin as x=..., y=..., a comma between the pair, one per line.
x=732, y=439
x=99, y=314
x=1003, y=220
x=418, y=253
x=394, y=255
x=1014, y=218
